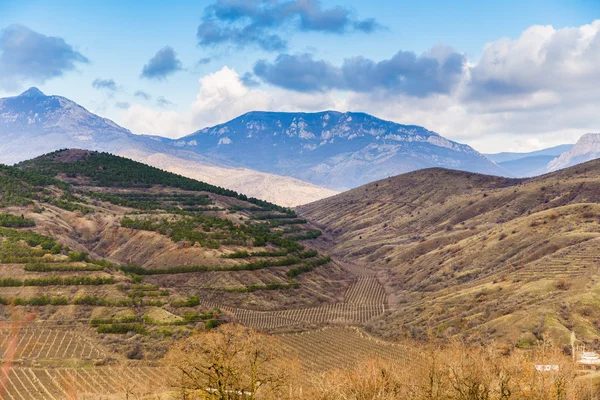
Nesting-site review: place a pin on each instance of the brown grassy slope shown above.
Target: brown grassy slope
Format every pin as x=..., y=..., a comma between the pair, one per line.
x=476, y=255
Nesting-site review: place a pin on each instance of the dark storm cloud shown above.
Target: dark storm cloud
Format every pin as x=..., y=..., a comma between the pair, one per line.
x=249, y=80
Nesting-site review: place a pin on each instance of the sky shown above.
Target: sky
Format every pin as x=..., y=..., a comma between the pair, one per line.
x=499, y=75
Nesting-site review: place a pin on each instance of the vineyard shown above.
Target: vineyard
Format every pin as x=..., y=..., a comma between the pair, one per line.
x=115, y=261
x=339, y=347
x=570, y=263
x=365, y=300
x=95, y=383
x=35, y=344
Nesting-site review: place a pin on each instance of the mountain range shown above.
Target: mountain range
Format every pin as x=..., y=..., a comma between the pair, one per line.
x=332, y=149
x=534, y=163
x=33, y=124
x=287, y=158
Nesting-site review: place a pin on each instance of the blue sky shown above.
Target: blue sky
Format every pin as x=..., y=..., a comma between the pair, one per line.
x=154, y=47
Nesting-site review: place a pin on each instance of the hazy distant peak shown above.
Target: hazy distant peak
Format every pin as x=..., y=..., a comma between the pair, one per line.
x=32, y=92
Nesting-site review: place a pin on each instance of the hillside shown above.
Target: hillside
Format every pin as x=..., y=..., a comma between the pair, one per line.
x=146, y=242
x=332, y=149
x=33, y=124
x=106, y=263
x=474, y=255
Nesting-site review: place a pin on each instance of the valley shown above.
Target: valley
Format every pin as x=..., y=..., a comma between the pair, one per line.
x=479, y=257
x=108, y=263
x=105, y=263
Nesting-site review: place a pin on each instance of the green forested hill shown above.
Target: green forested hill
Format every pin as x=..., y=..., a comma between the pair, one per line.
x=104, y=169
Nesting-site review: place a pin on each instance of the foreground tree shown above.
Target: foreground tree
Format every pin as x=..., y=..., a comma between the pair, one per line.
x=230, y=363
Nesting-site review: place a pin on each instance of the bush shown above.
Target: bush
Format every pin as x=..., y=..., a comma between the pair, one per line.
x=563, y=284
x=121, y=329
x=211, y=324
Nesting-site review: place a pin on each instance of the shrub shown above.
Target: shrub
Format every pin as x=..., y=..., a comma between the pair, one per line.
x=121, y=329
x=563, y=284
x=15, y=221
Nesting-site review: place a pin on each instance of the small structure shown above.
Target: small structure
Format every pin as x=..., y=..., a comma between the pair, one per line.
x=589, y=358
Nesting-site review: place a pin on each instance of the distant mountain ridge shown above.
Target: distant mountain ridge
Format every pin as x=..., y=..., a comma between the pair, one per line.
x=330, y=148
x=33, y=124
x=511, y=156
x=530, y=164
x=289, y=158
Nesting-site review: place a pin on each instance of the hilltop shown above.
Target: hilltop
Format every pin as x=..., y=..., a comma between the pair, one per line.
x=473, y=255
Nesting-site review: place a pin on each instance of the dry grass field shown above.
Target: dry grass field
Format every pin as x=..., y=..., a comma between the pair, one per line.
x=480, y=257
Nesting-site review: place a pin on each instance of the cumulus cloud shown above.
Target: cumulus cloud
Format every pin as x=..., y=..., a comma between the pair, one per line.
x=163, y=64
x=404, y=73
x=222, y=97
x=542, y=60
x=108, y=84
x=29, y=56
x=535, y=91
x=259, y=22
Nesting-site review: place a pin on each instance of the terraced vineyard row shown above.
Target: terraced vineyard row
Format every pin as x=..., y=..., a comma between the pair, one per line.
x=366, y=290
x=572, y=262
x=82, y=383
x=331, y=313
x=339, y=347
x=365, y=300
x=48, y=344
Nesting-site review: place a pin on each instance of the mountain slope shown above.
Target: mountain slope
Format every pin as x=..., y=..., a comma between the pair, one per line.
x=474, y=255
x=551, y=151
x=523, y=165
x=587, y=148
x=527, y=166
x=33, y=124
x=333, y=149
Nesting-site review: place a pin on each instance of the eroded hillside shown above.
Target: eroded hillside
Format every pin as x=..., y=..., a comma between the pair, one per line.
x=90, y=236
x=473, y=255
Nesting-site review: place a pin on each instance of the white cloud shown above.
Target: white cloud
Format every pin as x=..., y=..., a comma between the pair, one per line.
x=537, y=90
x=541, y=59
x=144, y=120
x=222, y=97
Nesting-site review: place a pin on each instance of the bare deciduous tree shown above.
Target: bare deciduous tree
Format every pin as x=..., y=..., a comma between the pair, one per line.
x=230, y=363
